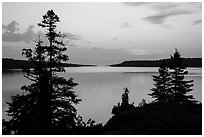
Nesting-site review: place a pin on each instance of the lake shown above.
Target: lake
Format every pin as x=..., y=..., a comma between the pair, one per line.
x=101, y=87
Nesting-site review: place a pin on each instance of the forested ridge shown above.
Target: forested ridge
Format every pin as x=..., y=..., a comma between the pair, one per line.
x=190, y=62
x=9, y=63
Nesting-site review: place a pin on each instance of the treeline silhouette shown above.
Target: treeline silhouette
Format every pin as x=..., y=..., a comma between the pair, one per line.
x=9, y=63
x=190, y=62
x=47, y=106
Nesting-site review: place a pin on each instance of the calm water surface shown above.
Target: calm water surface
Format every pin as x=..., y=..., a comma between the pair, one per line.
x=101, y=87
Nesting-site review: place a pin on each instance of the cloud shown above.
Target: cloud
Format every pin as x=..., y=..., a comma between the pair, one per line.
x=197, y=4
x=114, y=39
x=10, y=34
x=28, y=36
x=154, y=5
x=160, y=17
x=72, y=36
x=11, y=27
x=166, y=9
x=196, y=22
x=4, y=27
x=88, y=41
x=136, y=3
x=11, y=37
x=200, y=6
x=161, y=6
x=126, y=25
x=69, y=38
x=72, y=45
x=142, y=52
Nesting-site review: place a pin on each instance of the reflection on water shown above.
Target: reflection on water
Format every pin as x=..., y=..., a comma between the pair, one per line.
x=101, y=87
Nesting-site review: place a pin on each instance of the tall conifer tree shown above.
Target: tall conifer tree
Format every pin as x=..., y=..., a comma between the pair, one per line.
x=180, y=86
x=47, y=106
x=170, y=85
x=162, y=90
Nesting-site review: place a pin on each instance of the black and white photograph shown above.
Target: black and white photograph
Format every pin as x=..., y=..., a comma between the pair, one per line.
x=102, y=68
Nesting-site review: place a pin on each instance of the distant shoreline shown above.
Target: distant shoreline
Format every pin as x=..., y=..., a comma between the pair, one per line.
x=12, y=64
x=190, y=62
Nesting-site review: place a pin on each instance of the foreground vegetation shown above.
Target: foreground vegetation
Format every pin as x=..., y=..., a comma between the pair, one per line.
x=158, y=119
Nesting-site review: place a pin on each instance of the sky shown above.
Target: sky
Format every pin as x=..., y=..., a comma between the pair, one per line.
x=105, y=33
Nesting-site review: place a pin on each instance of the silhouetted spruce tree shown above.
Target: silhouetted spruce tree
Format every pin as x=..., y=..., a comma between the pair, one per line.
x=125, y=97
x=124, y=106
x=162, y=90
x=180, y=87
x=47, y=106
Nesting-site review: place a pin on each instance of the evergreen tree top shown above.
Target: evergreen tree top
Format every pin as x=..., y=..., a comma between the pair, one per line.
x=49, y=19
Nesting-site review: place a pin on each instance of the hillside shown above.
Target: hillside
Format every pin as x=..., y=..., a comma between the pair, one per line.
x=158, y=119
x=190, y=62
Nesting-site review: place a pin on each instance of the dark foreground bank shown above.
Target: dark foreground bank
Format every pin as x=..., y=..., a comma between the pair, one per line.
x=157, y=119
